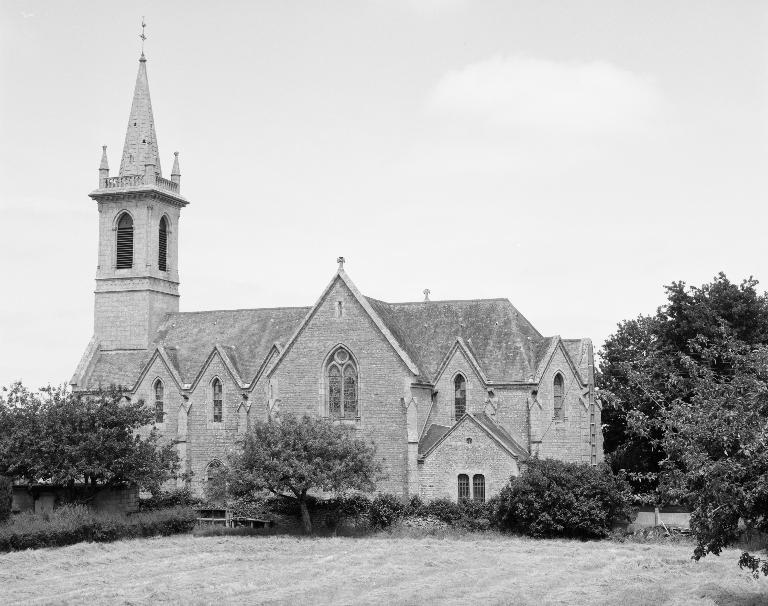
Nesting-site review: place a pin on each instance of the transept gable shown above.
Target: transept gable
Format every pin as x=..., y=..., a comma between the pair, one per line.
x=437, y=436
x=555, y=346
x=166, y=360
x=460, y=348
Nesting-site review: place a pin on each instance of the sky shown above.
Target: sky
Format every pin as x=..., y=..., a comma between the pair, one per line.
x=573, y=157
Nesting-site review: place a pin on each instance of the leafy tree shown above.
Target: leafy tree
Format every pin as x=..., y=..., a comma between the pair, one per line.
x=641, y=370
x=295, y=456
x=716, y=443
x=557, y=499
x=96, y=439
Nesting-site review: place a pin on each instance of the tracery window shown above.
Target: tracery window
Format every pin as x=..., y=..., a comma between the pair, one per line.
x=124, y=258
x=217, y=401
x=162, y=248
x=558, y=396
x=478, y=487
x=342, y=386
x=159, y=389
x=460, y=396
x=463, y=486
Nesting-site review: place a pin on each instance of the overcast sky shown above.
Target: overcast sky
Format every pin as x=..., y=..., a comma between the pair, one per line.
x=573, y=157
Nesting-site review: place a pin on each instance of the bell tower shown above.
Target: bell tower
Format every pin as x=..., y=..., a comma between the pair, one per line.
x=137, y=276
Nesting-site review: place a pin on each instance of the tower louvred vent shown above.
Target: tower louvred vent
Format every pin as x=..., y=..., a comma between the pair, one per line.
x=125, y=242
x=162, y=254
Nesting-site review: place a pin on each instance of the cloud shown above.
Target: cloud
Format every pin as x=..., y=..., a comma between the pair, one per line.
x=541, y=95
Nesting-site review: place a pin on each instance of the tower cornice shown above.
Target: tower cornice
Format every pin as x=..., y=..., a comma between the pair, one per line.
x=138, y=192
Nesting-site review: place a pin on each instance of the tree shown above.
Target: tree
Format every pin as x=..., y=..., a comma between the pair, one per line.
x=96, y=439
x=641, y=371
x=295, y=456
x=716, y=442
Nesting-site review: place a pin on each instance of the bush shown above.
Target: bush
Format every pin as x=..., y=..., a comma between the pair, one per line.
x=165, y=499
x=386, y=509
x=557, y=499
x=6, y=498
x=76, y=523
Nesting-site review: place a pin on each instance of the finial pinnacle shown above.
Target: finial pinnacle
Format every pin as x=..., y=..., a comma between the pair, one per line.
x=426, y=294
x=340, y=261
x=143, y=37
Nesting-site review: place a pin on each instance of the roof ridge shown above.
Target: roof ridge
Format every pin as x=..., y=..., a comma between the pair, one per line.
x=441, y=301
x=210, y=311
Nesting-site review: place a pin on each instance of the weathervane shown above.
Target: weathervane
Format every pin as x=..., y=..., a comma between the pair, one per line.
x=142, y=35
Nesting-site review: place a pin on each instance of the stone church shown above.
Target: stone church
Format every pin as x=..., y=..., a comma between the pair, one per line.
x=456, y=395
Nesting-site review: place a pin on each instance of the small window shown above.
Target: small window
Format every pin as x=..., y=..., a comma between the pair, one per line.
x=558, y=396
x=159, y=389
x=463, y=486
x=124, y=242
x=342, y=386
x=162, y=248
x=217, y=401
x=460, y=396
x=478, y=487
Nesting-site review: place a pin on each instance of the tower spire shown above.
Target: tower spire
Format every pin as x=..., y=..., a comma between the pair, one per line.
x=140, y=147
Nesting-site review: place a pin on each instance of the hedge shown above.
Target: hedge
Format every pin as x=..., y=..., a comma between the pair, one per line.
x=76, y=523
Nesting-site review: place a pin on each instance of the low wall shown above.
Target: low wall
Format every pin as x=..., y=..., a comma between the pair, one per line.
x=671, y=517
x=43, y=497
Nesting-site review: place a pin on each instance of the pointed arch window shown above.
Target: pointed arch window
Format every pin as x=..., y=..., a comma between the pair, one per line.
x=558, y=392
x=218, y=401
x=342, y=386
x=124, y=242
x=460, y=396
x=159, y=396
x=162, y=245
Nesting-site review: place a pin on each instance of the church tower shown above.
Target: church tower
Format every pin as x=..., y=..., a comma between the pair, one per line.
x=137, y=276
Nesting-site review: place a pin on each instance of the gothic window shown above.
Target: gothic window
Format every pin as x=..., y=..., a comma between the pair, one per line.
x=478, y=487
x=460, y=396
x=558, y=396
x=124, y=242
x=463, y=486
x=342, y=386
x=217, y=401
x=159, y=389
x=162, y=249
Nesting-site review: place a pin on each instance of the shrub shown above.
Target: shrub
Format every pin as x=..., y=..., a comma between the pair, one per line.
x=76, y=523
x=386, y=509
x=443, y=509
x=165, y=499
x=553, y=498
x=6, y=498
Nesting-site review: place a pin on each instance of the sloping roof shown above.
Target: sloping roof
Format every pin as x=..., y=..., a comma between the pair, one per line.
x=433, y=435
x=505, y=343
x=117, y=368
x=246, y=336
x=437, y=433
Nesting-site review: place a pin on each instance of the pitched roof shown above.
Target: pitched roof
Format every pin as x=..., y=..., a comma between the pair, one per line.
x=140, y=137
x=117, y=368
x=437, y=433
x=505, y=344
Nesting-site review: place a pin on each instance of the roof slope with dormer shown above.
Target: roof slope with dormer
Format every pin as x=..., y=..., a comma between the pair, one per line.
x=497, y=338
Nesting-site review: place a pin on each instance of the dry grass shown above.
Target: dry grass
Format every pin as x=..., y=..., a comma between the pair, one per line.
x=374, y=570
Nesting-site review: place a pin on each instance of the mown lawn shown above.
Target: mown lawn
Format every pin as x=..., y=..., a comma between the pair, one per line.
x=374, y=570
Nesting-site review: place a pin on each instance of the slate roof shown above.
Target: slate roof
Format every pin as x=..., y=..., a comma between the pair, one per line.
x=505, y=344
x=435, y=433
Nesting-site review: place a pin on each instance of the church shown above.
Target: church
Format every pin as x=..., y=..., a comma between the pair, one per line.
x=455, y=395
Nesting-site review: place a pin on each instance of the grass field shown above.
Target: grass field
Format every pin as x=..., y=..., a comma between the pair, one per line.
x=374, y=570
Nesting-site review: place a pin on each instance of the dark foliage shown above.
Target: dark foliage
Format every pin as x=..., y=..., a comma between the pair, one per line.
x=165, y=499
x=556, y=499
x=385, y=510
x=6, y=498
x=75, y=524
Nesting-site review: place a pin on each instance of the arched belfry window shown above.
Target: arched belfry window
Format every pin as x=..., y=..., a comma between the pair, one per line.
x=124, y=242
x=342, y=386
x=159, y=395
x=218, y=401
x=460, y=396
x=162, y=248
x=558, y=392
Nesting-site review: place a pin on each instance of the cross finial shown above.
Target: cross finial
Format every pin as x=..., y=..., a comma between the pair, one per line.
x=426, y=294
x=340, y=261
x=142, y=36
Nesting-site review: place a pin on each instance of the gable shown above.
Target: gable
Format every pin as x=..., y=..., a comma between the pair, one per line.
x=433, y=439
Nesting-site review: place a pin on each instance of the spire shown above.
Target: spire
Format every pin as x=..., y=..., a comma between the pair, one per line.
x=140, y=147
x=104, y=164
